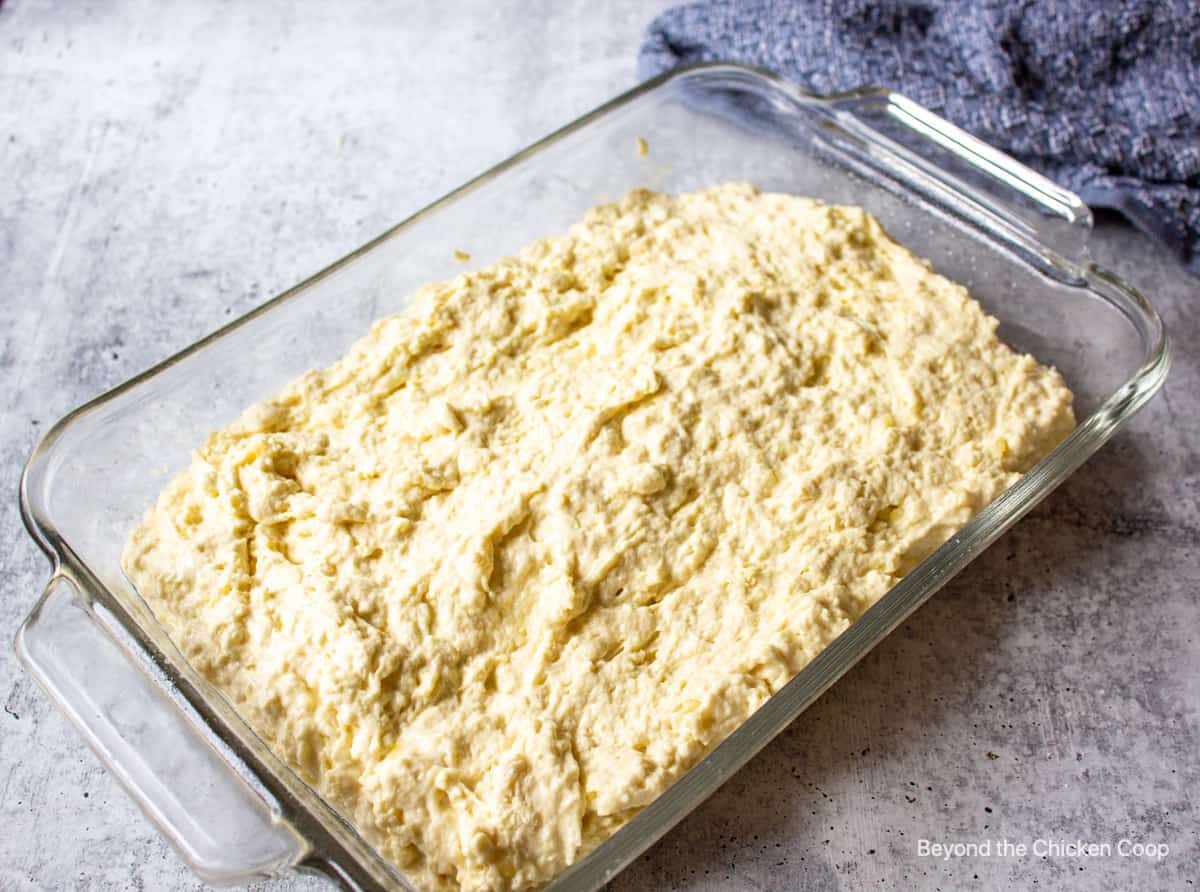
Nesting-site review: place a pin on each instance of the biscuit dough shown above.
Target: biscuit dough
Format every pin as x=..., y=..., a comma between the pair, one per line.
x=504, y=572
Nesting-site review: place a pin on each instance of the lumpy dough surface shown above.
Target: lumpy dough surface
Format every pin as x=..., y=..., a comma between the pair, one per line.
x=504, y=572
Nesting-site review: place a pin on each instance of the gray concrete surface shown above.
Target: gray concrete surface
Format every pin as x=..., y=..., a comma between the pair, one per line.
x=166, y=166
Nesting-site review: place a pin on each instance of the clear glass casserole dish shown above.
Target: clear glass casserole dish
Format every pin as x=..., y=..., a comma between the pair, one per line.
x=230, y=807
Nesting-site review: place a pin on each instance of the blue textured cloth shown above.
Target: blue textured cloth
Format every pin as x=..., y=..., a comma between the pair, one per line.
x=1102, y=97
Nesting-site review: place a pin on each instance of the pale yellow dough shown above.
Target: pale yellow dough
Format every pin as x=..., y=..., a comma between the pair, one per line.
x=504, y=572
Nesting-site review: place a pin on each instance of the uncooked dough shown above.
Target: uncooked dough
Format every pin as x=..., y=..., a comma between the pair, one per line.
x=504, y=572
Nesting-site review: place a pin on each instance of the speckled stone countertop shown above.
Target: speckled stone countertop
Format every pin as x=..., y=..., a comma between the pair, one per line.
x=168, y=166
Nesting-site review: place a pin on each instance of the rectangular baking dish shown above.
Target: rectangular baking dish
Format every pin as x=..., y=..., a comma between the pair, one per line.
x=230, y=807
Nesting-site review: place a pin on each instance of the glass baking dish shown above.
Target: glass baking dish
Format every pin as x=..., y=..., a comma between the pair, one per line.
x=230, y=807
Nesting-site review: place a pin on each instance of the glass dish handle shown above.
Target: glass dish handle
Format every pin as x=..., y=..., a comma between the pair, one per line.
x=964, y=175
x=224, y=828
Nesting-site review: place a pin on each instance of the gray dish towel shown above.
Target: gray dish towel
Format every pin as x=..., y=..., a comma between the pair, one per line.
x=1102, y=97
